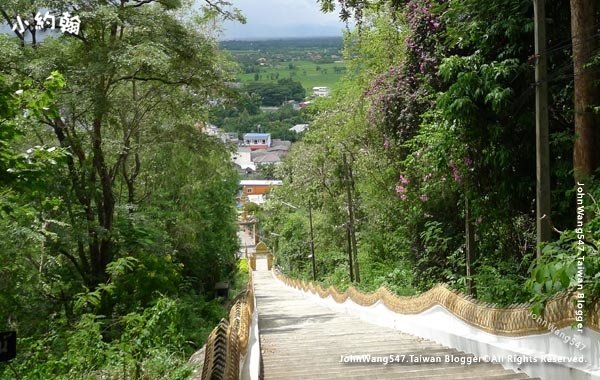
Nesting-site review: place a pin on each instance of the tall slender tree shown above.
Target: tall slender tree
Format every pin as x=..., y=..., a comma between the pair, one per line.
x=584, y=35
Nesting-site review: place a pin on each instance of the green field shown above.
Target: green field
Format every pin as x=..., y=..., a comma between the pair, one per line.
x=310, y=74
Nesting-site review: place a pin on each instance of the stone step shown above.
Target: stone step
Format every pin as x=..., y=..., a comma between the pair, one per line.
x=371, y=373
x=357, y=349
x=301, y=339
x=327, y=355
x=302, y=366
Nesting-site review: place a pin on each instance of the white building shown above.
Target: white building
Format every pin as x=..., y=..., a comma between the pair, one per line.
x=299, y=128
x=257, y=140
x=214, y=131
x=321, y=91
x=243, y=158
x=256, y=191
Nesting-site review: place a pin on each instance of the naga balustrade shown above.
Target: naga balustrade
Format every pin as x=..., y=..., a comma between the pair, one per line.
x=227, y=344
x=514, y=320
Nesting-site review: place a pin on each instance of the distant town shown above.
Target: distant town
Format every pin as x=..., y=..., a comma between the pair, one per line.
x=277, y=83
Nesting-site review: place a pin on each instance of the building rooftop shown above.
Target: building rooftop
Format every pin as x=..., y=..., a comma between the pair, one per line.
x=286, y=143
x=260, y=182
x=279, y=148
x=267, y=158
x=257, y=135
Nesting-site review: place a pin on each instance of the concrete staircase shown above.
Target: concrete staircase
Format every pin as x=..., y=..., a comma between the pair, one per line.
x=301, y=339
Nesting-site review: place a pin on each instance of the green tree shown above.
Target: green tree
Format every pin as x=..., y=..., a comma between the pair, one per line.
x=118, y=213
x=120, y=87
x=423, y=126
x=274, y=94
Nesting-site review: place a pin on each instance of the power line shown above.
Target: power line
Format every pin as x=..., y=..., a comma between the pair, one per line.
x=591, y=37
x=566, y=42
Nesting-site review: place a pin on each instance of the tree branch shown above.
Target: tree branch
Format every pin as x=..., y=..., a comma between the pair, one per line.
x=149, y=79
x=139, y=3
x=75, y=263
x=10, y=23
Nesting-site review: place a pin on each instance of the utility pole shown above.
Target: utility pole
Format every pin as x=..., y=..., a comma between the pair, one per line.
x=351, y=224
x=312, y=236
x=541, y=127
x=470, y=246
x=312, y=242
x=350, y=261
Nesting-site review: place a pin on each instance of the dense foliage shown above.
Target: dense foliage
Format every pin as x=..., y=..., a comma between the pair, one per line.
x=434, y=123
x=276, y=94
x=117, y=215
x=243, y=119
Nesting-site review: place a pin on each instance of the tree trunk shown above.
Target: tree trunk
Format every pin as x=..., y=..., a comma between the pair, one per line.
x=105, y=204
x=586, y=150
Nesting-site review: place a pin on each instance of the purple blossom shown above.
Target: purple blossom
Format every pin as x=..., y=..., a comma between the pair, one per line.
x=455, y=173
x=468, y=162
x=397, y=96
x=404, y=180
x=403, y=197
x=424, y=198
x=400, y=189
x=456, y=176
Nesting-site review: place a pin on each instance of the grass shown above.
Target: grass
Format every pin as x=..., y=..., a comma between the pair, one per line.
x=304, y=71
x=240, y=278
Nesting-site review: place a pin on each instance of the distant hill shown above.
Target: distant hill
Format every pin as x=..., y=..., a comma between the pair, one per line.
x=283, y=43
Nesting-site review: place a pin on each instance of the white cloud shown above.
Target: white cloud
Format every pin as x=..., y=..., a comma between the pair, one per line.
x=283, y=18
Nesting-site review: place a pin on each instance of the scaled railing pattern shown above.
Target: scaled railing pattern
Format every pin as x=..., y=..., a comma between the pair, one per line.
x=227, y=344
x=515, y=320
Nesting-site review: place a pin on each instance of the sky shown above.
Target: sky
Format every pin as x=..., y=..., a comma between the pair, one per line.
x=276, y=19
x=282, y=19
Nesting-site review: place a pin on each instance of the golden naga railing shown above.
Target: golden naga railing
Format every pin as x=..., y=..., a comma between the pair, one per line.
x=227, y=344
x=515, y=320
